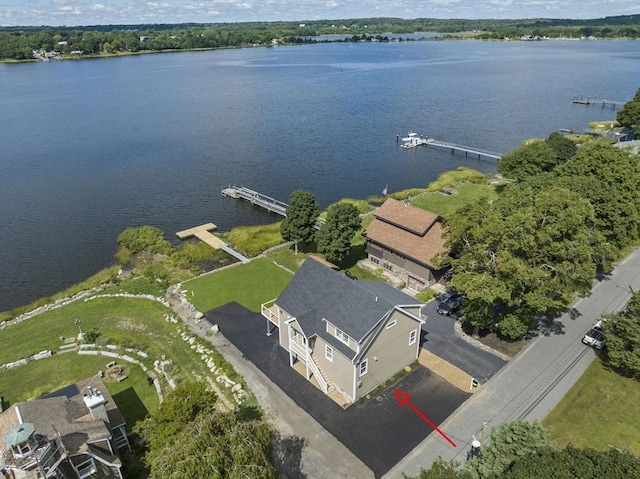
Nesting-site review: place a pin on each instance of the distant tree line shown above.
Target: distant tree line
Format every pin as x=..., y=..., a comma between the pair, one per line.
x=19, y=42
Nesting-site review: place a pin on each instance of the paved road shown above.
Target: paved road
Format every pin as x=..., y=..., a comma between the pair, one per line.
x=532, y=383
x=442, y=340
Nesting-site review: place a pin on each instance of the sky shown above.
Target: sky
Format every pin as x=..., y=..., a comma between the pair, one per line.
x=105, y=12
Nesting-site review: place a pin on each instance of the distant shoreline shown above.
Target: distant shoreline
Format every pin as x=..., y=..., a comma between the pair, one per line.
x=442, y=37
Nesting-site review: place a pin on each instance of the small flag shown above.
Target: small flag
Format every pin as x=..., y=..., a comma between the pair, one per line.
x=384, y=192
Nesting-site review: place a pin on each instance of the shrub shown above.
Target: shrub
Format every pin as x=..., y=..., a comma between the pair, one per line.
x=91, y=336
x=123, y=256
x=426, y=295
x=143, y=238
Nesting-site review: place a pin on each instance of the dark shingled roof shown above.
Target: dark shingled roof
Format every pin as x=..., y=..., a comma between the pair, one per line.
x=317, y=292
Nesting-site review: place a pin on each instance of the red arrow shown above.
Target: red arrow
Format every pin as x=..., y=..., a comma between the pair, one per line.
x=404, y=398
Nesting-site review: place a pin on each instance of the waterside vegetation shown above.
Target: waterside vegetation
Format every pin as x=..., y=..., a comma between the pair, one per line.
x=18, y=43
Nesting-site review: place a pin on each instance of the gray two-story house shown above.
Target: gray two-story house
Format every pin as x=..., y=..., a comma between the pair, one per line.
x=349, y=335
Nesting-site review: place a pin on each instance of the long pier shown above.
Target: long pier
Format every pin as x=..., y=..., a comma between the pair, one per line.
x=592, y=100
x=256, y=198
x=454, y=148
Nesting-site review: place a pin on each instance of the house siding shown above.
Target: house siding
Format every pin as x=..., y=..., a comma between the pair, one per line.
x=340, y=370
x=401, y=266
x=331, y=329
x=392, y=350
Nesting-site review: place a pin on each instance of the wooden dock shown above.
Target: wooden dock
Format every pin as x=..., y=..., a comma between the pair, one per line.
x=256, y=198
x=468, y=151
x=203, y=233
x=592, y=100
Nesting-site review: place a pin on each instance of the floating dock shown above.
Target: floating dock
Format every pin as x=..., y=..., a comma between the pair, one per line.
x=203, y=233
x=256, y=198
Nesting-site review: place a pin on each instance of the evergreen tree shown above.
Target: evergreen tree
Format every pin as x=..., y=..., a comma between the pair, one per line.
x=334, y=238
x=302, y=214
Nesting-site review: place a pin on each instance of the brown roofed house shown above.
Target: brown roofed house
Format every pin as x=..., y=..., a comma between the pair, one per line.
x=72, y=433
x=405, y=240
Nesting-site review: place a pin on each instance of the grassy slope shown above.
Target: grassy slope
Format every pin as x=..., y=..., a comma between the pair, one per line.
x=249, y=284
x=446, y=205
x=599, y=412
x=128, y=322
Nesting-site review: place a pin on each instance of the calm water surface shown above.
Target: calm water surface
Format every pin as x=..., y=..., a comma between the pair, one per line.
x=88, y=148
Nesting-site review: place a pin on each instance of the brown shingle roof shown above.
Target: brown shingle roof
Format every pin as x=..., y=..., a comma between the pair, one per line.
x=408, y=230
x=399, y=213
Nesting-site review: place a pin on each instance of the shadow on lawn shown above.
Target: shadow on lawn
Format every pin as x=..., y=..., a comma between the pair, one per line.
x=130, y=405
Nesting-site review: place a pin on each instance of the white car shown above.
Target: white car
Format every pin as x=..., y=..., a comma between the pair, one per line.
x=595, y=337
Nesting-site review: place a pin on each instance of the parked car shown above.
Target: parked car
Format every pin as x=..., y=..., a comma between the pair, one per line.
x=450, y=305
x=595, y=337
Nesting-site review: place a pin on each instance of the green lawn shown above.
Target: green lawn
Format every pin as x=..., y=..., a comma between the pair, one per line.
x=599, y=412
x=125, y=322
x=249, y=284
x=446, y=205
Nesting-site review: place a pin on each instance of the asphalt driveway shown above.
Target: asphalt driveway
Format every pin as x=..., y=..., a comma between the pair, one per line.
x=439, y=338
x=378, y=431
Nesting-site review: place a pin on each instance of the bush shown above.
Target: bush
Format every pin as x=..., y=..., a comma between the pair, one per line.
x=426, y=295
x=143, y=238
x=123, y=256
x=91, y=336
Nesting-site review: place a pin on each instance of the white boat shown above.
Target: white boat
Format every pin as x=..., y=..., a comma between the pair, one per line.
x=412, y=140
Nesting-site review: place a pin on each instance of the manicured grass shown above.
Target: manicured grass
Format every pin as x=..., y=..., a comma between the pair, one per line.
x=287, y=257
x=249, y=284
x=446, y=205
x=599, y=412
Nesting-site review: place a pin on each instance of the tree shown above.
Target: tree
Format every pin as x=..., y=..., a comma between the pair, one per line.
x=189, y=437
x=573, y=463
x=622, y=332
x=509, y=443
x=529, y=159
x=563, y=146
x=302, y=214
x=442, y=470
x=334, y=238
x=525, y=254
x=609, y=178
x=629, y=115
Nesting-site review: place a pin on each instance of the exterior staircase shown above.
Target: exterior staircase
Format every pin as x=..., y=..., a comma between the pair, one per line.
x=317, y=369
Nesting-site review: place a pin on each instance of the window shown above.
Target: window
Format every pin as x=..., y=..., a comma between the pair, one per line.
x=391, y=324
x=412, y=336
x=364, y=367
x=342, y=336
x=328, y=352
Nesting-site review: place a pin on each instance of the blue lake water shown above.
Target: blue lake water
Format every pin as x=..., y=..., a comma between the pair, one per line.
x=88, y=148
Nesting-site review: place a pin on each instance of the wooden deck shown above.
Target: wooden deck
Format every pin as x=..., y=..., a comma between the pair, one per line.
x=203, y=233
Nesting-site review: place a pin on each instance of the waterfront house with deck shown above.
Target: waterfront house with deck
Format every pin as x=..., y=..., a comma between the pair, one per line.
x=73, y=433
x=405, y=241
x=346, y=336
